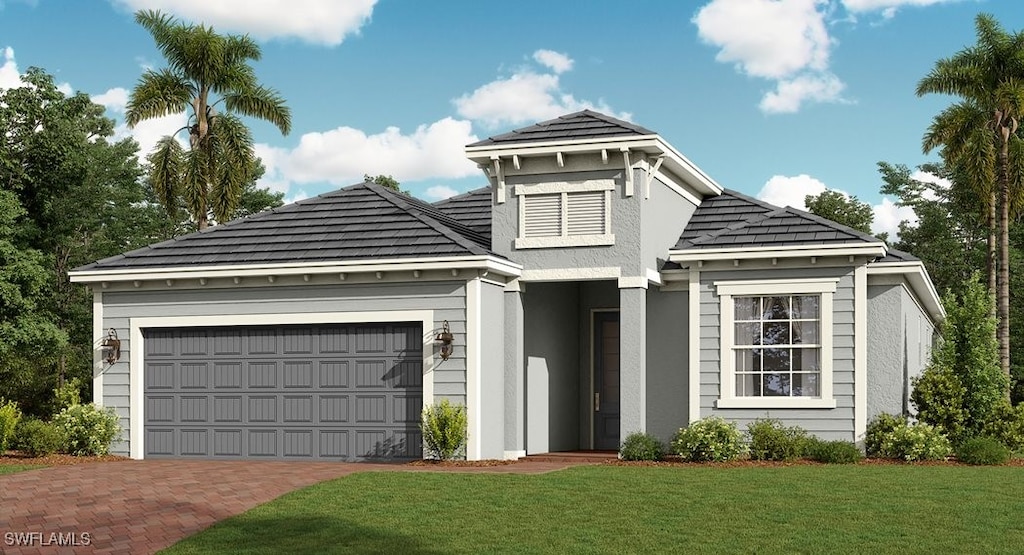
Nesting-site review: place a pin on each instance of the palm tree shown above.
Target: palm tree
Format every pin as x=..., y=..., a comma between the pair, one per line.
x=989, y=77
x=204, y=69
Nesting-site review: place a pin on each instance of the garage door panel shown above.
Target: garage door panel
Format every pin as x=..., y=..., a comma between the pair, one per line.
x=339, y=392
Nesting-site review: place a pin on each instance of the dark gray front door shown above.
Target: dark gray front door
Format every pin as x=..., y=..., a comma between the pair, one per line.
x=337, y=392
x=606, y=380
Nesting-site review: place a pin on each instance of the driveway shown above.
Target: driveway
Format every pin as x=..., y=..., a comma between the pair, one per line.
x=144, y=506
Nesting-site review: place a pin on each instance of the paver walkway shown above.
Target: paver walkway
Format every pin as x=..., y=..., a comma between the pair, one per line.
x=143, y=506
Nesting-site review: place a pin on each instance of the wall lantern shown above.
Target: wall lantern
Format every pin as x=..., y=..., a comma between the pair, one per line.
x=445, y=338
x=111, y=347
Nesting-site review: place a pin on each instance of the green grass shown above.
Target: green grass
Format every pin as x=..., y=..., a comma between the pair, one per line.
x=610, y=509
x=12, y=468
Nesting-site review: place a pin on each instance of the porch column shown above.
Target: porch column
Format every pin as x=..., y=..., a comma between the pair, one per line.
x=632, y=358
x=515, y=382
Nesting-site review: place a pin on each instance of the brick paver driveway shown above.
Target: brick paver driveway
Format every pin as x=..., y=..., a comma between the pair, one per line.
x=143, y=506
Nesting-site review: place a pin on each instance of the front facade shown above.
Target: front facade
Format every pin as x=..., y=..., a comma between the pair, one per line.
x=599, y=284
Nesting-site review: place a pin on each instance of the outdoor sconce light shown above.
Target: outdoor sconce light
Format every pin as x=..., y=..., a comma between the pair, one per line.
x=111, y=347
x=445, y=338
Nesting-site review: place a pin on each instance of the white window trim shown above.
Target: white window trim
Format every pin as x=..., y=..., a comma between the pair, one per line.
x=726, y=291
x=564, y=239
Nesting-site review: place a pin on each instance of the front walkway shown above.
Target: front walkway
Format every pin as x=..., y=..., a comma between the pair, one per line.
x=144, y=506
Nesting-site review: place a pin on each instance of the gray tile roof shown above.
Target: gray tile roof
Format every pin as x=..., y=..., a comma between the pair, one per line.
x=360, y=222
x=894, y=255
x=473, y=209
x=735, y=220
x=586, y=124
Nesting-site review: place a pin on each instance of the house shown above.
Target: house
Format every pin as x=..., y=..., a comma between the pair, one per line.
x=600, y=284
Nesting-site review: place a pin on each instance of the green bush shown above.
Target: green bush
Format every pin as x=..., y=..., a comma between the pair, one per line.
x=444, y=428
x=68, y=394
x=37, y=438
x=1007, y=425
x=878, y=429
x=939, y=396
x=88, y=429
x=9, y=417
x=640, y=446
x=834, y=452
x=920, y=442
x=983, y=451
x=771, y=441
x=710, y=439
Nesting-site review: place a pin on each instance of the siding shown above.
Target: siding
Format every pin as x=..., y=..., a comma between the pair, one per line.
x=446, y=299
x=828, y=424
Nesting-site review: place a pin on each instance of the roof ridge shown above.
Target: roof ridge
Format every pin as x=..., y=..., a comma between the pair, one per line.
x=402, y=201
x=459, y=196
x=835, y=225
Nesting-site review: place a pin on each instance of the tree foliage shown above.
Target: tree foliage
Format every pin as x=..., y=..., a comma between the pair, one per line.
x=842, y=209
x=205, y=69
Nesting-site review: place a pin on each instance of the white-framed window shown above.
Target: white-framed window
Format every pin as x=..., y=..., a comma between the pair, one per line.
x=776, y=343
x=565, y=214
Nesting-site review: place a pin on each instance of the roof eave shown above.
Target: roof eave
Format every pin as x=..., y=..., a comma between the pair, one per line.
x=920, y=282
x=785, y=251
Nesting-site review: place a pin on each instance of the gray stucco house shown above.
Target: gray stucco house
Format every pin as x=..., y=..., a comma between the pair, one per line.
x=600, y=284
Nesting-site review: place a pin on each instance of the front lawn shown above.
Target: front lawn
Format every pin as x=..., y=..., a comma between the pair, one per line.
x=621, y=509
x=12, y=468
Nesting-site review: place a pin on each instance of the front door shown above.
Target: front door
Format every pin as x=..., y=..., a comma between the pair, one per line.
x=606, y=380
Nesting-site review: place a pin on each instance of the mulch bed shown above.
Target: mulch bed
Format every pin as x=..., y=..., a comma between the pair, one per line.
x=56, y=459
x=443, y=464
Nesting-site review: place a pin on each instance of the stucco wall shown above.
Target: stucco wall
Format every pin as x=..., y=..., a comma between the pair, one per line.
x=663, y=217
x=887, y=350
x=667, y=362
x=446, y=299
x=492, y=371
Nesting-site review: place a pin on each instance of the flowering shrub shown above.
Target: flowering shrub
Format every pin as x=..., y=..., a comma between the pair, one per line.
x=710, y=439
x=88, y=429
x=9, y=417
x=639, y=446
x=878, y=429
x=920, y=442
x=444, y=428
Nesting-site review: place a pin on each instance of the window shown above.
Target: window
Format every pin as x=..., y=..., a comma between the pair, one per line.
x=776, y=343
x=565, y=214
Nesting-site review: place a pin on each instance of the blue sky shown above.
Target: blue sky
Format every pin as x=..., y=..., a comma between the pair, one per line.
x=774, y=98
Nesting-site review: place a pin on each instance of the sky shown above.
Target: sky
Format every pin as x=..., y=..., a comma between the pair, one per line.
x=774, y=98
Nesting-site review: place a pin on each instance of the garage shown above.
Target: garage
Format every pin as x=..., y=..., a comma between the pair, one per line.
x=314, y=392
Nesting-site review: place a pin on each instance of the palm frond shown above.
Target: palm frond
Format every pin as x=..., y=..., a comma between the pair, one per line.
x=165, y=171
x=232, y=145
x=263, y=103
x=195, y=183
x=158, y=93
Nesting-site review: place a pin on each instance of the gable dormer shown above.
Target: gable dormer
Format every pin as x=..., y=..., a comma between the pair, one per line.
x=600, y=190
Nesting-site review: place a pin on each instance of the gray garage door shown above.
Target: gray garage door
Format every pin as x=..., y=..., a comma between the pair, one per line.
x=334, y=392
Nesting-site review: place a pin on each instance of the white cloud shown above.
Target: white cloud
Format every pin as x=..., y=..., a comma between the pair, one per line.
x=782, y=190
x=10, y=76
x=440, y=192
x=926, y=177
x=555, y=61
x=526, y=96
x=790, y=94
x=147, y=132
x=786, y=41
x=887, y=7
x=326, y=22
x=114, y=99
x=343, y=155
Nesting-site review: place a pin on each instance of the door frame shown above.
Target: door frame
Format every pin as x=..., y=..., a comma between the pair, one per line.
x=593, y=368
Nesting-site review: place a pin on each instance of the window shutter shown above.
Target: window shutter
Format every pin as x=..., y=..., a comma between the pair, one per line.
x=543, y=215
x=586, y=213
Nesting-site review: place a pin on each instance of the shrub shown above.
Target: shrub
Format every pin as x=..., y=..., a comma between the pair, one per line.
x=880, y=428
x=9, y=417
x=920, y=442
x=939, y=396
x=771, y=441
x=38, y=439
x=983, y=451
x=710, y=439
x=640, y=446
x=68, y=394
x=88, y=429
x=834, y=452
x=444, y=430
x=1007, y=425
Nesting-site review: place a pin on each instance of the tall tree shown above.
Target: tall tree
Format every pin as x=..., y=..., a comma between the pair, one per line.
x=989, y=77
x=204, y=69
x=840, y=208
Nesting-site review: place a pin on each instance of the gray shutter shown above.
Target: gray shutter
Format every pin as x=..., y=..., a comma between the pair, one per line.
x=543, y=215
x=586, y=213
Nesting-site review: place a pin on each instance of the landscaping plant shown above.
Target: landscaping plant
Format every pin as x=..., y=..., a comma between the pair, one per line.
x=710, y=439
x=1007, y=425
x=68, y=394
x=878, y=430
x=9, y=417
x=982, y=451
x=640, y=446
x=834, y=452
x=37, y=438
x=88, y=429
x=444, y=428
x=920, y=442
x=771, y=441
